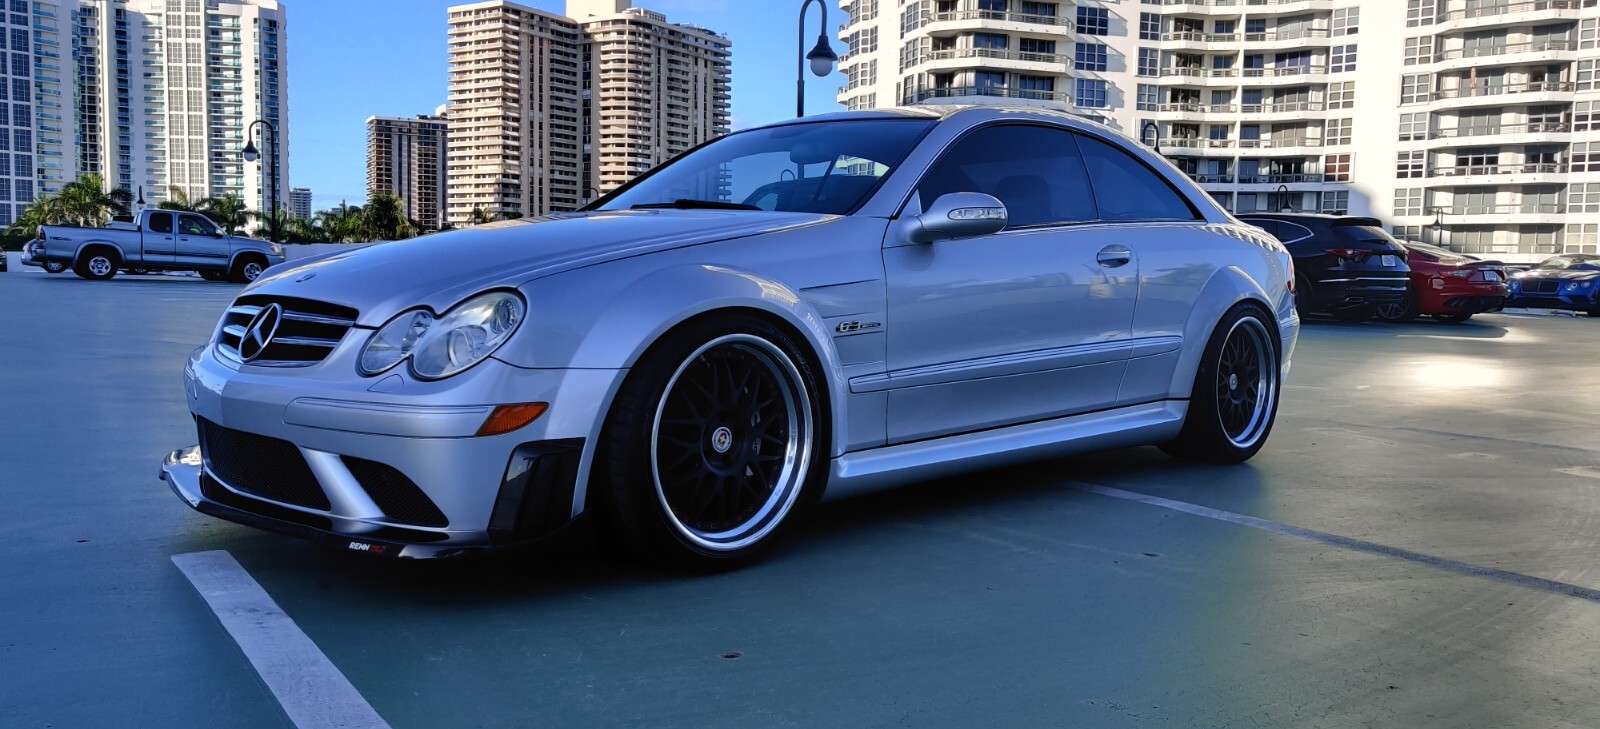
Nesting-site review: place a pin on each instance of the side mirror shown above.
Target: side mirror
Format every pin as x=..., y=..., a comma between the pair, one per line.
x=959, y=215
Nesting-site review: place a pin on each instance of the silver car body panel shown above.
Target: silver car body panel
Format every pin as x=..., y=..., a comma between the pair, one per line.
x=935, y=358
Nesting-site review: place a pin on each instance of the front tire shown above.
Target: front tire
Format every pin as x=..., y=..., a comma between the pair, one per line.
x=1400, y=312
x=247, y=269
x=717, y=437
x=1235, y=398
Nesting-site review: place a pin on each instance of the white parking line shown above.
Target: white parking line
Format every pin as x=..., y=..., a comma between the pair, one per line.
x=1358, y=545
x=313, y=692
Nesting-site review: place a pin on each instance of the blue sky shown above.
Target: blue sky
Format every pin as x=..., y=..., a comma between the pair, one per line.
x=351, y=59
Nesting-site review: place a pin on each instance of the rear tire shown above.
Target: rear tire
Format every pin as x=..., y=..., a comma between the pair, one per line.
x=96, y=264
x=54, y=266
x=1235, y=398
x=1353, y=314
x=1451, y=318
x=1402, y=312
x=681, y=457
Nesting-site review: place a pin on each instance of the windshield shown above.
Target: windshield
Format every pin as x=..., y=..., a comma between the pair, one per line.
x=827, y=167
x=1581, y=263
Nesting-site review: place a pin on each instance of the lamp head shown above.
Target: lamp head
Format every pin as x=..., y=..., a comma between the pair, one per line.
x=250, y=153
x=822, y=57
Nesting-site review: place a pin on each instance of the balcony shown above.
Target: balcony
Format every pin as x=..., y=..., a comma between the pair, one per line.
x=1295, y=74
x=1493, y=14
x=1536, y=169
x=1046, y=62
x=1532, y=93
x=1282, y=178
x=956, y=92
x=1500, y=52
x=1211, y=178
x=1495, y=131
x=1526, y=213
x=997, y=16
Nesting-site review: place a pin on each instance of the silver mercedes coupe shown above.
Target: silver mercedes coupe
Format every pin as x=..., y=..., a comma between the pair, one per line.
x=806, y=310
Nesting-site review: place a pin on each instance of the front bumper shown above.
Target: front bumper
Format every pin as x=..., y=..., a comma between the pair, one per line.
x=1568, y=302
x=388, y=465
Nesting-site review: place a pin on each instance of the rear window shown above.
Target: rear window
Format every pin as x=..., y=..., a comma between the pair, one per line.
x=1368, y=234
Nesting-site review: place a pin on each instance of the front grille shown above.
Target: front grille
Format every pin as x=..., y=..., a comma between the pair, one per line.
x=260, y=466
x=397, y=495
x=306, y=331
x=1541, y=286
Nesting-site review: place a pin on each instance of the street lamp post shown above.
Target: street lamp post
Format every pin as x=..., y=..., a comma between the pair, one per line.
x=1438, y=227
x=1283, y=196
x=821, y=57
x=250, y=155
x=1154, y=131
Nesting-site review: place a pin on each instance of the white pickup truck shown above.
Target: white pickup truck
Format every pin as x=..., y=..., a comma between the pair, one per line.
x=157, y=240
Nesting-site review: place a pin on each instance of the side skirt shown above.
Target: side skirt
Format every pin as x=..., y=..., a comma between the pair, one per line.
x=880, y=468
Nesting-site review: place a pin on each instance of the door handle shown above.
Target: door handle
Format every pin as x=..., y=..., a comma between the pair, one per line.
x=1114, y=256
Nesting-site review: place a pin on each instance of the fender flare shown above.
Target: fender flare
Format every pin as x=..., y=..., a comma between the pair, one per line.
x=233, y=258
x=122, y=255
x=1227, y=288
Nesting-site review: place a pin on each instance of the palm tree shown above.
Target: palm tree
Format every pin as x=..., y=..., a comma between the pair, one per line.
x=342, y=224
x=303, y=230
x=384, y=218
x=228, y=212
x=177, y=199
x=479, y=217
x=45, y=210
x=280, y=221
x=86, y=200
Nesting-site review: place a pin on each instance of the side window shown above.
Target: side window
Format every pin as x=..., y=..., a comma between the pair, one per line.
x=1271, y=226
x=1125, y=189
x=196, y=225
x=1037, y=172
x=161, y=222
x=1293, y=232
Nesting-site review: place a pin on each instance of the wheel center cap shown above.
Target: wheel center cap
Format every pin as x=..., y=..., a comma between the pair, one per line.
x=721, y=439
x=1233, y=382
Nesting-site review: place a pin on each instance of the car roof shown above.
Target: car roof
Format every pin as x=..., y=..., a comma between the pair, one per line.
x=944, y=112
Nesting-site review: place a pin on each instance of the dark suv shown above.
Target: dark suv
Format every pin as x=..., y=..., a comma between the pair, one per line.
x=1346, y=266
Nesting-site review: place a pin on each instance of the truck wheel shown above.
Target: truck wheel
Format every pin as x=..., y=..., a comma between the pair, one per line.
x=247, y=269
x=96, y=264
x=55, y=266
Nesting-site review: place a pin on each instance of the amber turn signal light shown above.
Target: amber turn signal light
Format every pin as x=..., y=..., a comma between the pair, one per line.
x=507, y=418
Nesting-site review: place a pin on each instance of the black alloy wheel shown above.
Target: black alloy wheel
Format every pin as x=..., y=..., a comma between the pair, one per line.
x=712, y=447
x=1235, y=398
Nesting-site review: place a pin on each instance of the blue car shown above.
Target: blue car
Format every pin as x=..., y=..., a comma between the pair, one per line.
x=1570, y=282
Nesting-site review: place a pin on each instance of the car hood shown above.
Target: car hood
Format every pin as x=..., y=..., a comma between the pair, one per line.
x=1561, y=275
x=439, y=270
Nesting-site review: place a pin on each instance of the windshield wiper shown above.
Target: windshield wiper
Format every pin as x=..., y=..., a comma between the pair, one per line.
x=687, y=204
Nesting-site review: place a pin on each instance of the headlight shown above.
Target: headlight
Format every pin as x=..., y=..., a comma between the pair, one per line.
x=277, y=250
x=439, y=347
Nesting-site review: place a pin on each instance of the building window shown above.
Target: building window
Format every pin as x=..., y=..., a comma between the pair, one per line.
x=1583, y=116
x=1583, y=197
x=998, y=41
x=1149, y=62
x=1586, y=75
x=1091, y=93
x=1089, y=57
x=1149, y=95
x=1336, y=202
x=1094, y=21
x=1585, y=157
x=1036, y=45
x=1346, y=21
x=1408, y=202
x=1414, y=127
x=1583, y=237
x=1044, y=9
x=1149, y=26
x=1420, y=12
x=24, y=192
x=1587, y=30
x=1415, y=89
x=1036, y=83
x=1339, y=131
x=1342, y=95
x=1407, y=232
x=1342, y=59
x=1336, y=168
x=1410, y=165
x=1419, y=50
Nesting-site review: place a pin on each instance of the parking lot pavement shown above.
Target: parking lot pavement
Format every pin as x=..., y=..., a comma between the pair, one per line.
x=1408, y=464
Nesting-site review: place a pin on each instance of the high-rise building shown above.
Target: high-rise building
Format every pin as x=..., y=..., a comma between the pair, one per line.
x=35, y=115
x=166, y=92
x=1477, y=114
x=549, y=111
x=300, y=202
x=405, y=158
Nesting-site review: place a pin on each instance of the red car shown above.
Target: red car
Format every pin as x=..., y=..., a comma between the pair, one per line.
x=1447, y=286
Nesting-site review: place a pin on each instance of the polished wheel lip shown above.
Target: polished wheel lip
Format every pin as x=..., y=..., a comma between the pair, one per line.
x=99, y=265
x=251, y=271
x=1254, y=343
x=796, y=462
